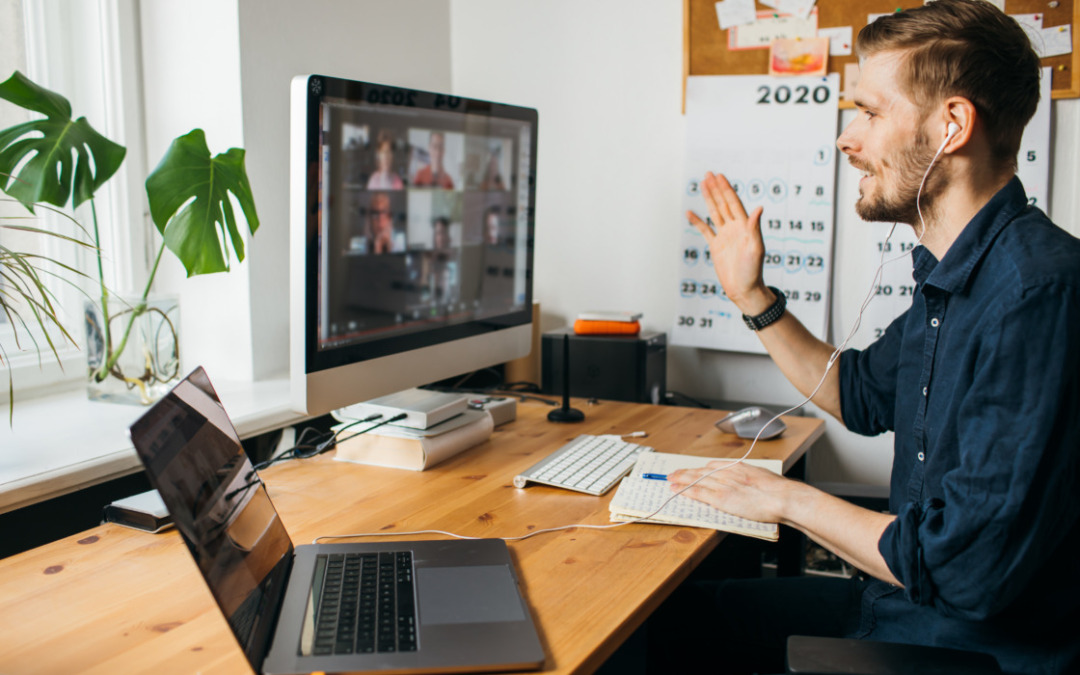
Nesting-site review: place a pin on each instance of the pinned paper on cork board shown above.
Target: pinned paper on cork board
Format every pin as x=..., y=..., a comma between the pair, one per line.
x=734, y=37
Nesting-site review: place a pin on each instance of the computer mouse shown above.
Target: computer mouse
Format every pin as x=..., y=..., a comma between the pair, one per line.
x=746, y=423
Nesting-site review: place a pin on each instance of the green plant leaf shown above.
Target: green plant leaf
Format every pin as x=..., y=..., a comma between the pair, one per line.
x=190, y=206
x=64, y=158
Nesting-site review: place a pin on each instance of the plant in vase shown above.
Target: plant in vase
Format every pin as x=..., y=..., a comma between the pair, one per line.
x=52, y=160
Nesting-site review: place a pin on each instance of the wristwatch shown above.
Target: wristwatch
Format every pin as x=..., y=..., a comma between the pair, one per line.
x=770, y=315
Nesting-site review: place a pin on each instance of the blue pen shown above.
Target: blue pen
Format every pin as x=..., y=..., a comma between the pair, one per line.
x=654, y=476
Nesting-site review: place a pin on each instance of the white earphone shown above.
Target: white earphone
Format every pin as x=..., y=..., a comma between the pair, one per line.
x=950, y=131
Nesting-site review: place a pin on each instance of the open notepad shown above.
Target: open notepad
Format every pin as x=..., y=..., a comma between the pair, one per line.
x=638, y=497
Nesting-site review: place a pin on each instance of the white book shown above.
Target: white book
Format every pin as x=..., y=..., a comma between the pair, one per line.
x=638, y=497
x=144, y=511
x=599, y=315
x=418, y=451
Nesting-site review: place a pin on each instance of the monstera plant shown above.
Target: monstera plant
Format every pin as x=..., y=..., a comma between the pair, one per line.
x=54, y=159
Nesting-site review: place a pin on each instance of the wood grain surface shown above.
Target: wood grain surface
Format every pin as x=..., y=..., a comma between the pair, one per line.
x=116, y=600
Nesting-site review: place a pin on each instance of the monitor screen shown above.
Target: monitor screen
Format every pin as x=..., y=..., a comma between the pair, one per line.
x=413, y=220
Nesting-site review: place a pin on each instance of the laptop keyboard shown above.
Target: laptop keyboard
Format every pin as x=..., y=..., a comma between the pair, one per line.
x=367, y=604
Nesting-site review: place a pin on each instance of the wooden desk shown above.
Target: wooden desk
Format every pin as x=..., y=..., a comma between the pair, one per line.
x=115, y=600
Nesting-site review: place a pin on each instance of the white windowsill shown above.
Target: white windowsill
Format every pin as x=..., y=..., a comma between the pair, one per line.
x=63, y=442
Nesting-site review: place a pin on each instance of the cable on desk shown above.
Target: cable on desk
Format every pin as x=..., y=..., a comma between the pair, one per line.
x=324, y=441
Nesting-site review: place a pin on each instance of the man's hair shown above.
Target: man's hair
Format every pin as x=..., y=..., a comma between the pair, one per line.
x=965, y=48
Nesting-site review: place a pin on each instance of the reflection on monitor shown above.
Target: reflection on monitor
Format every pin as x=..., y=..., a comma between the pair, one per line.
x=411, y=245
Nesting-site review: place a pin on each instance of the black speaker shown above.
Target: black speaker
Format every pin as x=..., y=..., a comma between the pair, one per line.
x=615, y=367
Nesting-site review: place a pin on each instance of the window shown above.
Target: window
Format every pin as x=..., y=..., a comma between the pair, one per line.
x=87, y=52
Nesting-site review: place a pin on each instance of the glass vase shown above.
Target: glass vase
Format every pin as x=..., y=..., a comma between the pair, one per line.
x=137, y=360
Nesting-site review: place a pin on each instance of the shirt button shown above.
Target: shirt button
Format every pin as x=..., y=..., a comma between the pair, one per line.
x=924, y=391
x=934, y=322
x=922, y=457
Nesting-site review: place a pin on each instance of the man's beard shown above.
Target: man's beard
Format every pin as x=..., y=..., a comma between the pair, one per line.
x=908, y=168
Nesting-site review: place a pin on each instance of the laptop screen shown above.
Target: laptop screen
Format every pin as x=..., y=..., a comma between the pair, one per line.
x=194, y=459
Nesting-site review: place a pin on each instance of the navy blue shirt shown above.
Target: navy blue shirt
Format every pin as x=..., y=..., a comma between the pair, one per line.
x=980, y=380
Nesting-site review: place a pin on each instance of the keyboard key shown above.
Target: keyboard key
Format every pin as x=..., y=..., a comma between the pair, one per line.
x=367, y=604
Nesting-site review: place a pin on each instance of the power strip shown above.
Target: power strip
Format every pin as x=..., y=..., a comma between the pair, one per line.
x=503, y=409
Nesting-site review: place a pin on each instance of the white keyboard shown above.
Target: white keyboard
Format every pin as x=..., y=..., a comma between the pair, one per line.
x=589, y=464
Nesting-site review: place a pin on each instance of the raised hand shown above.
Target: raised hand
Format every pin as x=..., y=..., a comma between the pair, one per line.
x=735, y=244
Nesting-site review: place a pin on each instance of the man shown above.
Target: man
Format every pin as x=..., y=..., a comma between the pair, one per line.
x=978, y=378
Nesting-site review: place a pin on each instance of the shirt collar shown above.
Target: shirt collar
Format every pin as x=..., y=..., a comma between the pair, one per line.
x=954, y=271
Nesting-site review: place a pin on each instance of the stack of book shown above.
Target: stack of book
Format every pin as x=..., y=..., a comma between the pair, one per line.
x=608, y=323
x=437, y=426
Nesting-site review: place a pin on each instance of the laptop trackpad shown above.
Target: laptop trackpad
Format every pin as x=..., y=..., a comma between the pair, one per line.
x=479, y=594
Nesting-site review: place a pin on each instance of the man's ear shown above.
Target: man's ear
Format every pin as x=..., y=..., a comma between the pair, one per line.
x=961, y=112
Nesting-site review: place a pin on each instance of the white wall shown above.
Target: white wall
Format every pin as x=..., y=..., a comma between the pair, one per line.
x=225, y=66
x=402, y=43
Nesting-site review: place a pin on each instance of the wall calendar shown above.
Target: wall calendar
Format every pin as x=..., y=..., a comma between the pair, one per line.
x=774, y=139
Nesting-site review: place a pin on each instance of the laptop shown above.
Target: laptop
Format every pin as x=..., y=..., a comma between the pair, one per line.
x=443, y=605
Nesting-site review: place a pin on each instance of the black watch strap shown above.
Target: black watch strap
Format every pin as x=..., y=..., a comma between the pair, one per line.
x=770, y=315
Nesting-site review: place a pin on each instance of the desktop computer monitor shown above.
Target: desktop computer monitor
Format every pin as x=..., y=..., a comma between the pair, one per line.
x=412, y=217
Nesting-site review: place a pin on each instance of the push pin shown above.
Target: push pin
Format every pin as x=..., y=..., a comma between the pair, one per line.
x=1053, y=4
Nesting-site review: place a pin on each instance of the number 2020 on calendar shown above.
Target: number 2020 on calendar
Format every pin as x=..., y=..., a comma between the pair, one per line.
x=774, y=139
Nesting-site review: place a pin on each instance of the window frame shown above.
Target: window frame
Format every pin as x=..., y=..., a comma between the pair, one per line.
x=89, y=52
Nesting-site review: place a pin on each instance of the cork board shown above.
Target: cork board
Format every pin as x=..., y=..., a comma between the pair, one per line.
x=705, y=49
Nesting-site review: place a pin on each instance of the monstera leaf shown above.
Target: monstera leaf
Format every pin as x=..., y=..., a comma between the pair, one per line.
x=56, y=156
x=190, y=205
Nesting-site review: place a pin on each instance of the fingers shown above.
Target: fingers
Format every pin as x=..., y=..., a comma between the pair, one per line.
x=711, y=472
x=714, y=189
x=728, y=203
x=698, y=485
x=755, y=217
x=724, y=205
x=702, y=227
x=701, y=494
x=684, y=477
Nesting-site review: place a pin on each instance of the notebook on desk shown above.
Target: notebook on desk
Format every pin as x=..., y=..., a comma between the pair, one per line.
x=443, y=605
x=639, y=497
